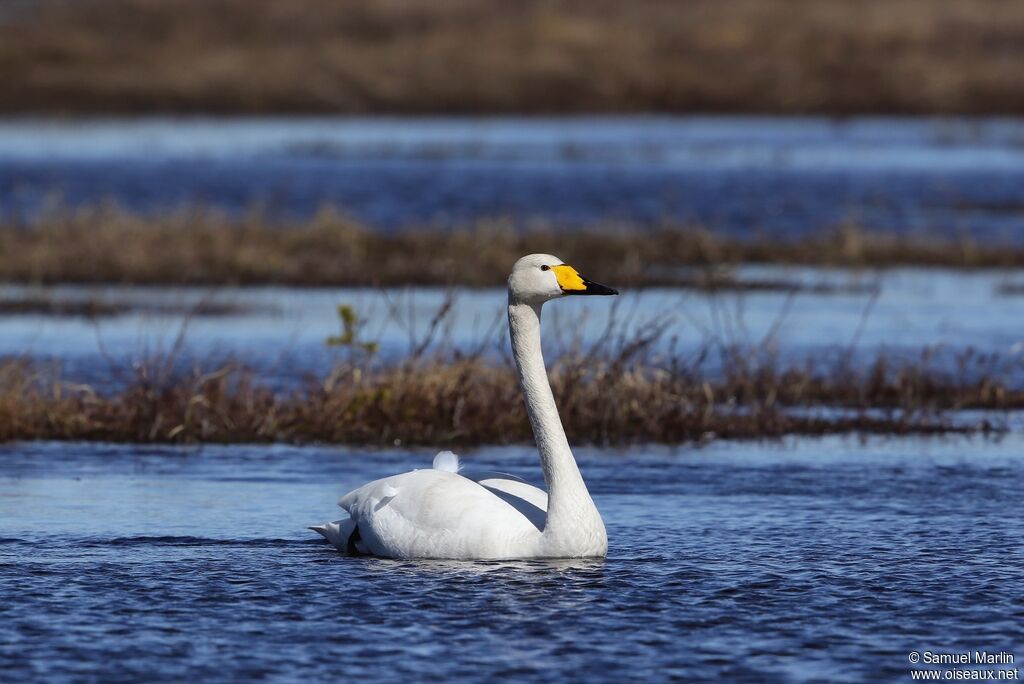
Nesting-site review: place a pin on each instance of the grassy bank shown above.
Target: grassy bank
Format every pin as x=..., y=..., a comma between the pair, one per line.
x=604, y=398
x=202, y=247
x=535, y=56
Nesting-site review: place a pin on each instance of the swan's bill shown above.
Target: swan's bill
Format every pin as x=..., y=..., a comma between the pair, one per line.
x=572, y=283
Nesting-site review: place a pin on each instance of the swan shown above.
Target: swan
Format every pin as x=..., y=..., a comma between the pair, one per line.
x=441, y=513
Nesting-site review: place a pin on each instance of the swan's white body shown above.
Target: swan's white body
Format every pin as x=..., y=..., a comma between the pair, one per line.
x=440, y=513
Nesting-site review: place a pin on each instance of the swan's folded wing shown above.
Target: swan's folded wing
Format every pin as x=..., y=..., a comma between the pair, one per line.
x=437, y=514
x=531, y=501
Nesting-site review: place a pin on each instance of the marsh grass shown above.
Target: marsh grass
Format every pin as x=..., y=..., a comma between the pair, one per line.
x=624, y=392
x=200, y=246
x=531, y=56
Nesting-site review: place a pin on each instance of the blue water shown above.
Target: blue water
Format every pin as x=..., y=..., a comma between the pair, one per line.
x=282, y=331
x=796, y=561
x=805, y=560
x=741, y=175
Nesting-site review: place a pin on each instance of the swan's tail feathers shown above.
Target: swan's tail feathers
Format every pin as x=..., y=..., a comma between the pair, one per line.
x=447, y=461
x=343, y=534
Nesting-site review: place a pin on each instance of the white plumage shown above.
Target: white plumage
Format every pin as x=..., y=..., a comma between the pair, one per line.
x=444, y=513
x=448, y=461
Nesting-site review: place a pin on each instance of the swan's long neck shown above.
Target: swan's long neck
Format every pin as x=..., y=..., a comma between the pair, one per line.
x=572, y=517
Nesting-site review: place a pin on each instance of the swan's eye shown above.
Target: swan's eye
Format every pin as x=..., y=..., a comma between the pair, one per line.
x=545, y=267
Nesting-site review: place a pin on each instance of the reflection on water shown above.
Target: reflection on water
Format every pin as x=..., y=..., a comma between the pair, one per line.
x=803, y=560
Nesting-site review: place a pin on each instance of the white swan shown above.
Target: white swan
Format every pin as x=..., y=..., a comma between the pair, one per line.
x=440, y=513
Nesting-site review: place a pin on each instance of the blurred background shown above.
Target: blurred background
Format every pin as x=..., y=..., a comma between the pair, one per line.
x=729, y=155
x=694, y=145
x=770, y=116
x=833, y=57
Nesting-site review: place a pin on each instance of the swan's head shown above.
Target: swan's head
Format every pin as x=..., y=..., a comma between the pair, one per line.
x=536, y=278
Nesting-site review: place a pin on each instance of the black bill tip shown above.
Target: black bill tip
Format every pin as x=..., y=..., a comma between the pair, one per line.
x=596, y=289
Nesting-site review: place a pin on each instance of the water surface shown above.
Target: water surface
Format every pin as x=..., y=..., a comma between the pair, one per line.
x=282, y=331
x=740, y=175
x=803, y=560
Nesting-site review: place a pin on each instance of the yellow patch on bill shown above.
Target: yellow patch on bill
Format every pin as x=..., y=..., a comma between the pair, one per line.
x=568, y=279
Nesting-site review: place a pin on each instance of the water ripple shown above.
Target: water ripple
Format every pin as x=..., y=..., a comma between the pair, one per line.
x=820, y=560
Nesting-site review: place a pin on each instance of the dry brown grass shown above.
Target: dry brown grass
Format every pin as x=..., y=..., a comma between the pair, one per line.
x=627, y=395
x=107, y=245
x=465, y=56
